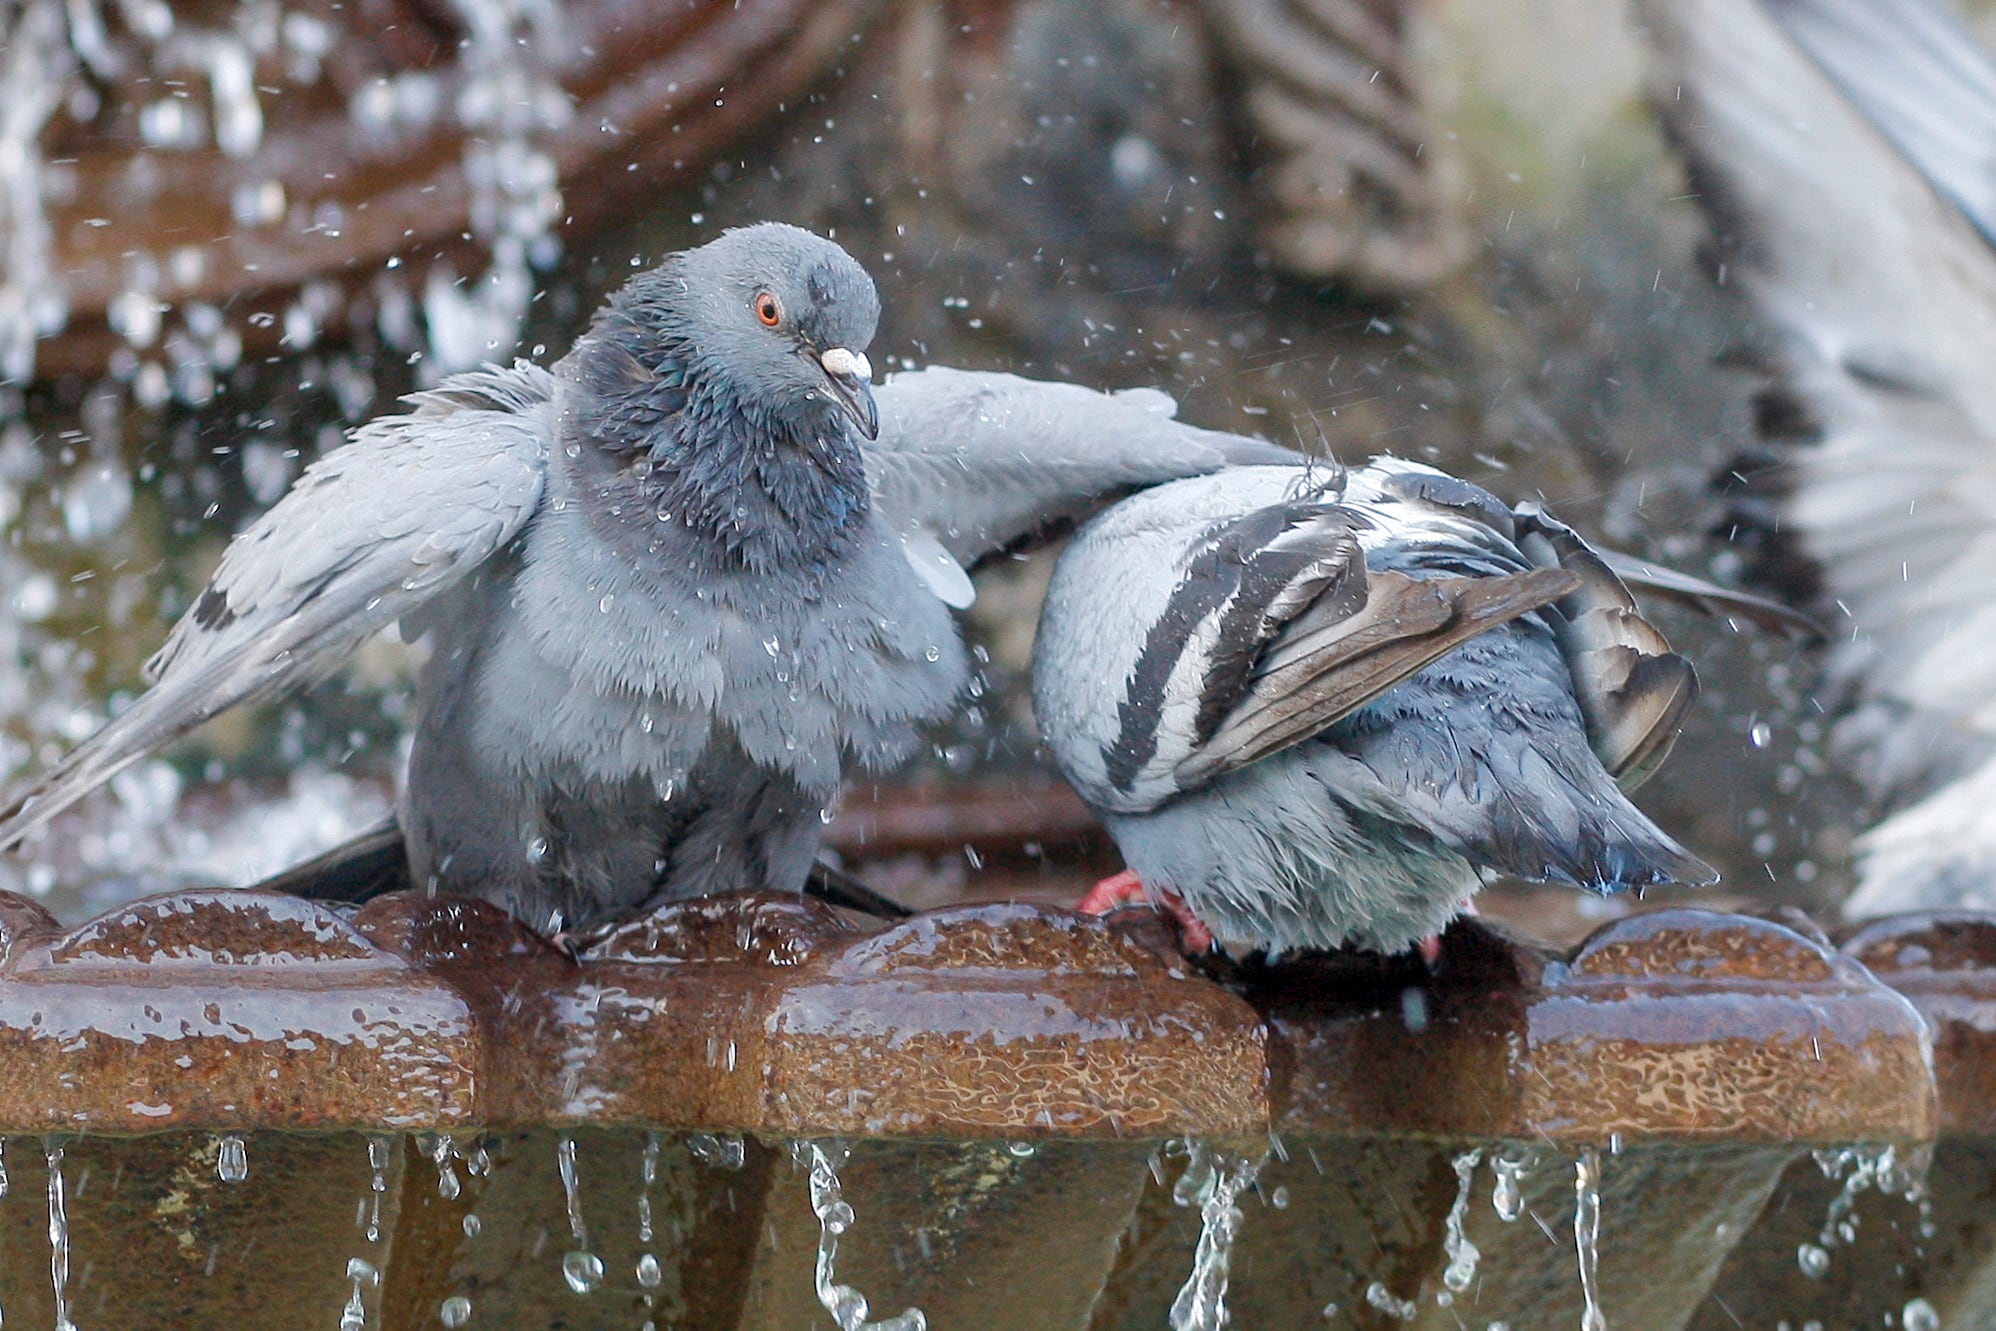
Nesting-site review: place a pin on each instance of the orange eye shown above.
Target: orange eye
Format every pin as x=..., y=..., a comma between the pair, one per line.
x=767, y=310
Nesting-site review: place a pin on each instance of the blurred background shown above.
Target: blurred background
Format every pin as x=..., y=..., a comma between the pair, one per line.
x=1445, y=229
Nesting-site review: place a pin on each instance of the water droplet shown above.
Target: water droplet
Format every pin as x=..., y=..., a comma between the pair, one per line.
x=472, y=1224
x=455, y=1312
x=934, y=653
x=717, y=1150
x=582, y=1270
x=1506, y=1197
x=447, y=1181
x=603, y=606
x=649, y=1274
x=1919, y=1315
x=1814, y=1261
x=1382, y=1298
x=1024, y=1150
x=232, y=1159
x=1761, y=734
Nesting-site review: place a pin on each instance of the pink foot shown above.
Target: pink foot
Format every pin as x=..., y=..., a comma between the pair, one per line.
x=1430, y=947
x=1126, y=889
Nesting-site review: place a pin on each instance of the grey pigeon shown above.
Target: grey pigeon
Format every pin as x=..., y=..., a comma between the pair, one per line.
x=1845, y=152
x=670, y=595
x=1317, y=709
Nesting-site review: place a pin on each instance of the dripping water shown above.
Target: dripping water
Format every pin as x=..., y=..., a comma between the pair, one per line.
x=717, y=1150
x=1211, y=1181
x=1507, y=1196
x=847, y=1305
x=649, y=1274
x=377, y=1184
x=1461, y=1252
x=58, y=1236
x=443, y=1154
x=581, y=1268
x=1587, y=1236
x=362, y=1275
x=231, y=1159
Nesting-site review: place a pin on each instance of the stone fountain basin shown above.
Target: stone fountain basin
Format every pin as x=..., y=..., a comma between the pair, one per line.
x=1016, y=1084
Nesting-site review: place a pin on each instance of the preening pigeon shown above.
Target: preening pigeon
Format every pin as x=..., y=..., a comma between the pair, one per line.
x=670, y=595
x=1318, y=707
x=1845, y=153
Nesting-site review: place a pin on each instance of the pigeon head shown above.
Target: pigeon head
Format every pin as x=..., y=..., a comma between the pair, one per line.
x=766, y=327
x=730, y=384
x=790, y=315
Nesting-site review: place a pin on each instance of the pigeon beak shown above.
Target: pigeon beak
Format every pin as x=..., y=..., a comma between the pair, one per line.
x=850, y=373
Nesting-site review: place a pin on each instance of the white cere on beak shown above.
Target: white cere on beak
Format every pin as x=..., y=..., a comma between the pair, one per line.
x=850, y=364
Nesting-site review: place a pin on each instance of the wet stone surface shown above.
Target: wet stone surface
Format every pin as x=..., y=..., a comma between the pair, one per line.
x=229, y=1011
x=1003, y=1115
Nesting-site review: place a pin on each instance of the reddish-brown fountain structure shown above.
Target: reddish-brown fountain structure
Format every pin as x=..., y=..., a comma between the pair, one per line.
x=1005, y=1076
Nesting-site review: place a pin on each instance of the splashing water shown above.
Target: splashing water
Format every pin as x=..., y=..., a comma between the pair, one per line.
x=847, y=1305
x=1211, y=1181
x=58, y=1236
x=1462, y=1254
x=510, y=97
x=56, y=57
x=1863, y=1168
x=231, y=1159
x=1587, y=1236
x=36, y=59
x=1507, y=1196
x=581, y=1268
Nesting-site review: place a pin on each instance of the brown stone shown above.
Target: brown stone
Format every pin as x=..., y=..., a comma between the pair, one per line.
x=1946, y=964
x=226, y=1011
x=773, y=1015
x=1679, y=1023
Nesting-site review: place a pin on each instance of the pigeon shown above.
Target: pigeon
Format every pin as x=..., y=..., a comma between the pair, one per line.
x=1844, y=152
x=674, y=587
x=1318, y=709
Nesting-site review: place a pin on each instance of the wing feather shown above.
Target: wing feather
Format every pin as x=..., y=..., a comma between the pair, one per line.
x=978, y=462
x=368, y=534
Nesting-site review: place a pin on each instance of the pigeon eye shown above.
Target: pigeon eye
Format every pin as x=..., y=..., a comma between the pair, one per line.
x=767, y=310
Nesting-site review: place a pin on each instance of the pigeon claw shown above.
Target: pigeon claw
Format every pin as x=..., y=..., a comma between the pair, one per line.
x=1125, y=889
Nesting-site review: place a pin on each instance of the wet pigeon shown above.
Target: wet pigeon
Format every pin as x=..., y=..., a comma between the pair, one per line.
x=670, y=594
x=1845, y=153
x=1318, y=709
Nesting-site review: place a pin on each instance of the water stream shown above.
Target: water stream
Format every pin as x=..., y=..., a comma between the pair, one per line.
x=847, y=1305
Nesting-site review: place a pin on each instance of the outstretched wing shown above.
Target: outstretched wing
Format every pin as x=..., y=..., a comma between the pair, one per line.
x=1837, y=206
x=367, y=534
x=970, y=463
